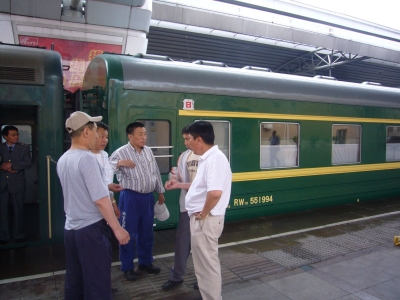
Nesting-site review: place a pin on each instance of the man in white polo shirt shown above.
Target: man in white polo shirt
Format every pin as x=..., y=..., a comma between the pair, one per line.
x=206, y=203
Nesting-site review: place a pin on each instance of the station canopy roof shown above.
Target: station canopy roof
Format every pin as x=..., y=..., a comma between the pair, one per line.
x=279, y=55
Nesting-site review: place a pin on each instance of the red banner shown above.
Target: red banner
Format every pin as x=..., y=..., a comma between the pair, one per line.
x=75, y=54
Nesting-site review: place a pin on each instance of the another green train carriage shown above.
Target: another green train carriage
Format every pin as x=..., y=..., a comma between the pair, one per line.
x=334, y=136
x=31, y=98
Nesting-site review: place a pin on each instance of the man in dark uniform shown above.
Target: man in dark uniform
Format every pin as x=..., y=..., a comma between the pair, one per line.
x=16, y=158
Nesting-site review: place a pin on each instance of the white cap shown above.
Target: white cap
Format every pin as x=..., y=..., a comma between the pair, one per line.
x=161, y=211
x=79, y=119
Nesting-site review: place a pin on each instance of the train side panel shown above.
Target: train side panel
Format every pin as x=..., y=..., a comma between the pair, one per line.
x=31, y=97
x=248, y=105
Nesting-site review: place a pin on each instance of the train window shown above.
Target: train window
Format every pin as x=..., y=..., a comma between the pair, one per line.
x=393, y=143
x=159, y=140
x=346, y=144
x=279, y=145
x=222, y=132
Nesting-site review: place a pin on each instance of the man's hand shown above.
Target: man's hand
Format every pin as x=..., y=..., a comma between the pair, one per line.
x=171, y=185
x=6, y=166
x=107, y=211
x=115, y=187
x=126, y=163
x=122, y=235
x=197, y=216
x=161, y=198
x=116, y=210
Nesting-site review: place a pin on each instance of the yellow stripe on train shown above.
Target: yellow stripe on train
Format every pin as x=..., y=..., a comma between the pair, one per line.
x=275, y=174
x=249, y=115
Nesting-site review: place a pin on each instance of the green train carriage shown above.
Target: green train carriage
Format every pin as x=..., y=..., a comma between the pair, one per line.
x=313, y=118
x=335, y=136
x=31, y=98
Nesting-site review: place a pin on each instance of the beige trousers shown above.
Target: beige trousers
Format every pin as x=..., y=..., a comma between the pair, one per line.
x=204, y=239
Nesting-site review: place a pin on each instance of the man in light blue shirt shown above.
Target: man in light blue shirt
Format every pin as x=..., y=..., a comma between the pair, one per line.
x=89, y=214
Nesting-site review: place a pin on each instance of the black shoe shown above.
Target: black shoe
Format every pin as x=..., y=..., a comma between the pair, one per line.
x=196, y=285
x=130, y=275
x=149, y=269
x=2, y=242
x=171, y=284
x=20, y=241
x=198, y=298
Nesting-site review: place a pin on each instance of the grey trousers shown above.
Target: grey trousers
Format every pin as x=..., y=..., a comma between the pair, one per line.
x=18, y=204
x=204, y=238
x=182, y=248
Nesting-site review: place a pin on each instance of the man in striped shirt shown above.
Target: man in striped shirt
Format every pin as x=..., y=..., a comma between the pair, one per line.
x=137, y=172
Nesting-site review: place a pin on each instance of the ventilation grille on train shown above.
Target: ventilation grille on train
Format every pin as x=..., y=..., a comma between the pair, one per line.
x=17, y=74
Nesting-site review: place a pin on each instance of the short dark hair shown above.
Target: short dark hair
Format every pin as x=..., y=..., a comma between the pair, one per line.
x=185, y=130
x=131, y=127
x=78, y=132
x=102, y=125
x=204, y=130
x=8, y=128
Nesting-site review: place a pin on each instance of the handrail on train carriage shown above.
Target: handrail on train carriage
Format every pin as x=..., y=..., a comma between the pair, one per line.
x=162, y=147
x=48, y=157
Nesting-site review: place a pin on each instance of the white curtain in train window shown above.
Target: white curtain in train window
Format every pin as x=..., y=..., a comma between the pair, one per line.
x=279, y=156
x=346, y=144
x=279, y=145
x=393, y=143
x=393, y=152
x=344, y=154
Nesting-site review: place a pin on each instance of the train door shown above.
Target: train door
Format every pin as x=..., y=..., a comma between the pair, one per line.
x=161, y=131
x=25, y=119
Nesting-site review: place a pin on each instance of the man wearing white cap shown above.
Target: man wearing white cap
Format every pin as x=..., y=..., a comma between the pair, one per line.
x=88, y=209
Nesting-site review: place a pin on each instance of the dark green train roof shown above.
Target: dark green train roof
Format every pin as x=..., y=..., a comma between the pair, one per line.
x=170, y=76
x=27, y=65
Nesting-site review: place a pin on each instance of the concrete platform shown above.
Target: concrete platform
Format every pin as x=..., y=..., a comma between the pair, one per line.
x=342, y=252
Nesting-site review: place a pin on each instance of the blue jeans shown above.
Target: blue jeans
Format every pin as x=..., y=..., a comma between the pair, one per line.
x=137, y=217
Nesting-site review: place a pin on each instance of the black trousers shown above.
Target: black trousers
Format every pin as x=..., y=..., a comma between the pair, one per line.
x=88, y=255
x=17, y=200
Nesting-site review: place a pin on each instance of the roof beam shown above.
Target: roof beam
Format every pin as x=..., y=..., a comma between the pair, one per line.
x=318, y=59
x=193, y=18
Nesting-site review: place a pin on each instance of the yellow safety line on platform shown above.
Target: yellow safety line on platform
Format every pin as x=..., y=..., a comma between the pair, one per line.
x=249, y=115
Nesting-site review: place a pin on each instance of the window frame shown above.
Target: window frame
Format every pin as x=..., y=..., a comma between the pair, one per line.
x=360, y=144
x=386, y=137
x=229, y=134
x=298, y=145
x=171, y=147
